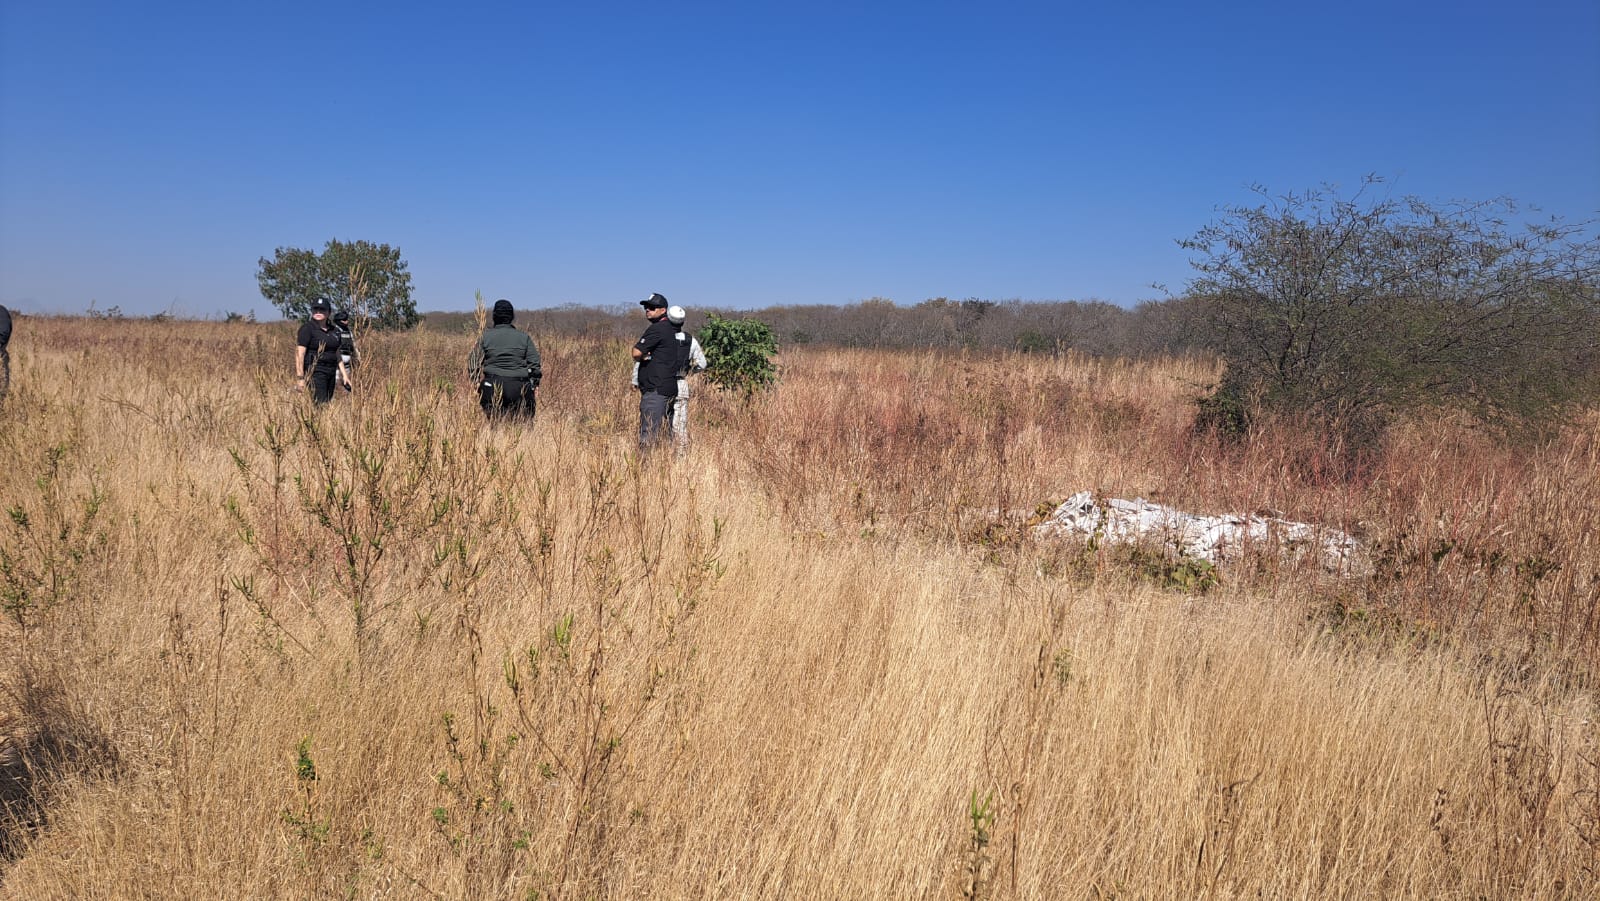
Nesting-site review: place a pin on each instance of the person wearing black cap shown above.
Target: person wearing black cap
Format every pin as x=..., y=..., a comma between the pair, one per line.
x=506, y=366
x=317, y=346
x=347, y=346
x=660, y=354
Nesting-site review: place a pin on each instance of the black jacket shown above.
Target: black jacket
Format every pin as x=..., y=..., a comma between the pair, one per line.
x=663, y=356
x=5, y=327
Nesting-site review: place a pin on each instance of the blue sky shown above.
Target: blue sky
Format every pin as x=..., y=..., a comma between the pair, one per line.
x=743, y=155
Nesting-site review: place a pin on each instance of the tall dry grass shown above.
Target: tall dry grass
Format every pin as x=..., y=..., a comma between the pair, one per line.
x=257, y=650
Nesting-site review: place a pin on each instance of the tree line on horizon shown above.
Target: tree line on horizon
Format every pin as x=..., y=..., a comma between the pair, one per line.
x=1094, y=327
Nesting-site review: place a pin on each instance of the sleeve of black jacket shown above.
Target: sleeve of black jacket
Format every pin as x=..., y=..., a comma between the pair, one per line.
x=5, y=326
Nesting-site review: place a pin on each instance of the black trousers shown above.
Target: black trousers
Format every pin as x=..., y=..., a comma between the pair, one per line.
x=655, y=418
x=322, y=384
x=503, y=398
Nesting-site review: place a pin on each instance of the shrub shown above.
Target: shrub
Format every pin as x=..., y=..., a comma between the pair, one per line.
x=1348, y=310
x=739, y=354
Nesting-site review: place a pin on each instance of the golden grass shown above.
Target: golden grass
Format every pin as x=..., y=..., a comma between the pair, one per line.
x=790, y=665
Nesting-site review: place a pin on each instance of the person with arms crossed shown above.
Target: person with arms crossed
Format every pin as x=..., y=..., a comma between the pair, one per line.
x=658, y=352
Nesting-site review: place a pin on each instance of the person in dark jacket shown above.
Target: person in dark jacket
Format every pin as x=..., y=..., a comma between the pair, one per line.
x=506, y=365
x=660, y=355
x=693, y=361
x=317, y=348
x=5, y=353
x=347, y=347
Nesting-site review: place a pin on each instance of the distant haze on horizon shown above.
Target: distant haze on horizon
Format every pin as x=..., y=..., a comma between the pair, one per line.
x=733, y=156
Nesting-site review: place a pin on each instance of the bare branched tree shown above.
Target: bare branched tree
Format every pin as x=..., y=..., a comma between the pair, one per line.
x=1353, y=308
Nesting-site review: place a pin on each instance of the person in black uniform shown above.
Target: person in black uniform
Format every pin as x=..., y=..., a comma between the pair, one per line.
x=347, y=347
x=5, y=353
x=317, y=347
x=660, y=354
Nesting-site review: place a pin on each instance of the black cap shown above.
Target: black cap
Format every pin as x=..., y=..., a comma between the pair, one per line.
x=503, y=312
x=654, y=302
x=320, y=306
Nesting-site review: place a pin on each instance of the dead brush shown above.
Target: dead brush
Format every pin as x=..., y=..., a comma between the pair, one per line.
x=697, y=678
x=1501, y=549
x=887, y=438
x=1527, y=755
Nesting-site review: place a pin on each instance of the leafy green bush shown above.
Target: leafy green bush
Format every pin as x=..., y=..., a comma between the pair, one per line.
x=739, y=354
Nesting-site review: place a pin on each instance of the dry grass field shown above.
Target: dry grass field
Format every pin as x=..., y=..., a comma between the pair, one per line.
x=253, y=650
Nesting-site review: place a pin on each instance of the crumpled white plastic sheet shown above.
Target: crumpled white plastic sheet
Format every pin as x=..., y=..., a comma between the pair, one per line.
x=1214, y=538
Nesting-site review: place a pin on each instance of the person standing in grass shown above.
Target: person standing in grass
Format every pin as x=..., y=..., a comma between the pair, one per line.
x=658, y=353
x=347, y=347
x=317, y=347
x=506, y=365
x=694, y=360
x=5, y=352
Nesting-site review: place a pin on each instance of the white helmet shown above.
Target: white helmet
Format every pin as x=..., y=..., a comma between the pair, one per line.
x=676, y=315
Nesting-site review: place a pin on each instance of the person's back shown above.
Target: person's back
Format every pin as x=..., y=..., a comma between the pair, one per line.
x=507, y=351
x=506, y=365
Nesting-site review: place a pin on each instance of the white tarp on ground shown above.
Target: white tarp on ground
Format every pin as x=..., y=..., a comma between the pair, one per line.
x=1214, y=538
